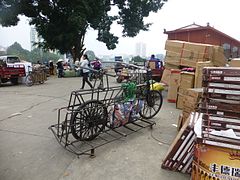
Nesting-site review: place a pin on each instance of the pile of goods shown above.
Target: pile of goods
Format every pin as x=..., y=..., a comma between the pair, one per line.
x=208, y=144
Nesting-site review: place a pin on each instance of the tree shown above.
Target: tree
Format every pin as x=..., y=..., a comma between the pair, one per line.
x=33, y=56
x=91, y=55
x=63, y=24
x=138, y=59
x=16, y=49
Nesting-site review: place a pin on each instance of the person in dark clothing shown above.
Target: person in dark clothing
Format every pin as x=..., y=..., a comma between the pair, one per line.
x=51, y=67
x=60, y=68
x=84, y=63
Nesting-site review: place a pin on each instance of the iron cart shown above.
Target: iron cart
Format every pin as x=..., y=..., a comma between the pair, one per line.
x=106, y=113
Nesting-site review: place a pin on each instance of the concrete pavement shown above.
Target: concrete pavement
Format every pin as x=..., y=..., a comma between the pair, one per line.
x=28, y=150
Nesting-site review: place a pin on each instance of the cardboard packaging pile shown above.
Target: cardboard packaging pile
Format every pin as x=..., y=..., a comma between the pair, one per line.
x=174, y=78
x=208, y=144
x=191, y=100
x=181, y=54
x=217, y=153
x=221, y=106
x=186, y=82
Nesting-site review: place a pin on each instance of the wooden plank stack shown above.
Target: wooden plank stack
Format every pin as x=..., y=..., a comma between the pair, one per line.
x=180, y=154
x=221, y=106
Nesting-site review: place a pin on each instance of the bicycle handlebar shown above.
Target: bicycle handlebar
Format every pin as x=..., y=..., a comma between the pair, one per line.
x=98, y=71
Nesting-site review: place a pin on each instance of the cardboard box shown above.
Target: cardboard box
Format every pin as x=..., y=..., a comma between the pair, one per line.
x=195, y=92
x=173, y=85
x=199, y=74
x=170, y=66
x=173, y=58
x=212, y=162
x=186, y=80
x=180, y=98
x=219, y=57
x=166, y=76
x=174, y=46
x=152, y=65
x=234, y=63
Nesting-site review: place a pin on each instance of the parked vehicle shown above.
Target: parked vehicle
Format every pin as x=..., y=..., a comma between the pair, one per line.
x=37, y=74
x=11, y=72
x=10, y=59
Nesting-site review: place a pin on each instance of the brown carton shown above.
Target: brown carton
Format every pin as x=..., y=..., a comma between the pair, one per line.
x=152, y=65
x=180, y=98
x=186, y=80
x=219, y=57
x=173, y=58
x=235, y=62
x=195, y=92
x=199, y=74
x=174, y=46
x=173, y=85
x=170, y=66
x=166, y=76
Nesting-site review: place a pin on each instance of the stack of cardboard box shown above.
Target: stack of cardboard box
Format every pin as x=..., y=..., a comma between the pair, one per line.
x=190, y=104
x=181, y=53
x=174, y=77
x=185, y=54
x=186, y=82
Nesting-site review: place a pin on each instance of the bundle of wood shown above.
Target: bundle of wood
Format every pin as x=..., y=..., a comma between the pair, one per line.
x=221, y=107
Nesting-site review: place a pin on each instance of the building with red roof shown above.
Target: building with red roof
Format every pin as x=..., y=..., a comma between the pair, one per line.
x=206, y=35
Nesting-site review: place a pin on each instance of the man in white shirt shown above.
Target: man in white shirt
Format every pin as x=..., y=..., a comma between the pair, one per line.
x=84, y=63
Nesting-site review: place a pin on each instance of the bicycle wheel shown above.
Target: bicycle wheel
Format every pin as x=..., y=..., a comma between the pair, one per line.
x=152, y=104
x=89, y=120
x=29, y=80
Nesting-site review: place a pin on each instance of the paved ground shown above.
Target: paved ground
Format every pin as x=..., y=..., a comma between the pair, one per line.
x=29, y=151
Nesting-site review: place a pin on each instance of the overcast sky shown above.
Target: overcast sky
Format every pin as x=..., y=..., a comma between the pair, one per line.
x=222, y=15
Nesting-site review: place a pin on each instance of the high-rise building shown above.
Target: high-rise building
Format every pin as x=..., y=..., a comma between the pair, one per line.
x=33, y=37
x=140, y=49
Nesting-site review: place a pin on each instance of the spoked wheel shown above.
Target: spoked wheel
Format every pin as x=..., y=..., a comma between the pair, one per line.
x=89, y=120
x=29, y=80
x=152, y=104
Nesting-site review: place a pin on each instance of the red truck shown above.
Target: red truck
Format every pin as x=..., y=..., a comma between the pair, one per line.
x=11, y=72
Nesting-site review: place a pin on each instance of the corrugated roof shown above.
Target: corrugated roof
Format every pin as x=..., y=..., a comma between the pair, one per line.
x=196, y=27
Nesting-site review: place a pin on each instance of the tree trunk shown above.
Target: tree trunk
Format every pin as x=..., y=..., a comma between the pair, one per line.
x=78, y=49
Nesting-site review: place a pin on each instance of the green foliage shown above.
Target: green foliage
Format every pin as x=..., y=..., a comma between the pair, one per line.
x=63, y=23
x=33, y=56
x=91, y=55
x=16, y=49
x=138, y=59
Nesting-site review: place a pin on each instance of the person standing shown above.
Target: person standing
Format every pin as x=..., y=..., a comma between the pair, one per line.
x=84, y=63
x=51, y=67
x=60, y=68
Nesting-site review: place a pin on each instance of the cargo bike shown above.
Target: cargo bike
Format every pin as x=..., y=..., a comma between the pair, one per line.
x=106, y=113
x=36, y=74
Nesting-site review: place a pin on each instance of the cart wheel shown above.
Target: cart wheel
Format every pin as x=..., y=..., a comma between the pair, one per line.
x=89, y=120
x=152, y=104
x=14, y=81
x=29, y=80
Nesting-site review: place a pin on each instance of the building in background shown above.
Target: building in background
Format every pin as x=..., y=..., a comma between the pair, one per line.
x=206, y=35
x=34, y=38
x=3, y=50
x=140, y=49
